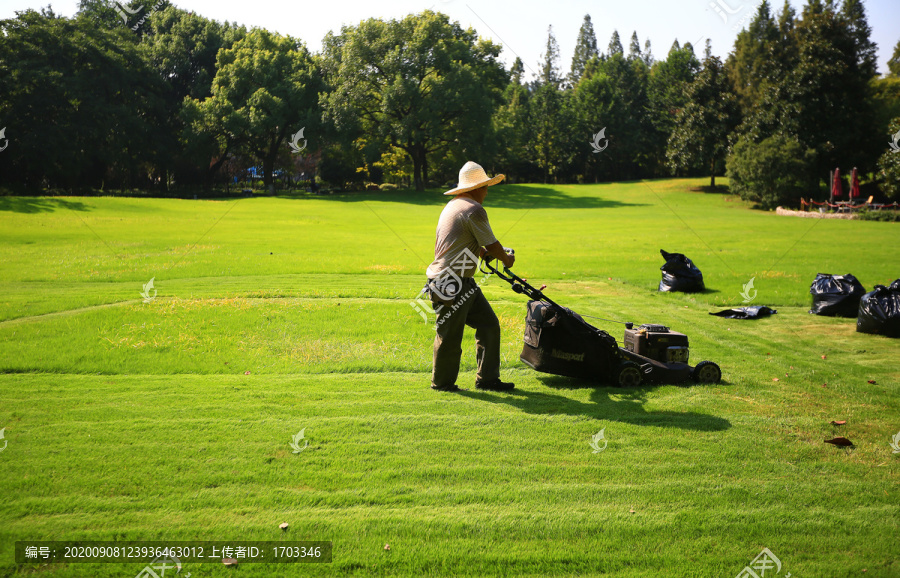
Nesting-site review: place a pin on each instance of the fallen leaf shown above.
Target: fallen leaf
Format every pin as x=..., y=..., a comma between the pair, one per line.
x=246, y=373
x=840, y=442
x=839, y=422
x=229, y=561
x=872, y=381
x=824, y=385
x=631, y=510
x=387, y=546
x=775, y=379
x=284, y=526
x=824, y=357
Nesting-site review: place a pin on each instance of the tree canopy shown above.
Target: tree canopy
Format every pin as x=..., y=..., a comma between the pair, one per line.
x=120, y=96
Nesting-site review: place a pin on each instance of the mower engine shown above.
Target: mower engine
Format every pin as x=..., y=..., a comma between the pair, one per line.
x=658, y=342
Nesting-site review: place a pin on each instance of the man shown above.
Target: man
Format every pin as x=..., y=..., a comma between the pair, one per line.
x=463, y=235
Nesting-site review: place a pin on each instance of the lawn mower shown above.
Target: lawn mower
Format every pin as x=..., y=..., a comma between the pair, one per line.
x=559, y=341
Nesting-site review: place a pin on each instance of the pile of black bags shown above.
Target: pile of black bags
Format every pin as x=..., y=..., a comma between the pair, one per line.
x=879, y=311
x=836, y=295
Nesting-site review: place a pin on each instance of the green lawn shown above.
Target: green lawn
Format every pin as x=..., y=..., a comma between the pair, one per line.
x=171, y=420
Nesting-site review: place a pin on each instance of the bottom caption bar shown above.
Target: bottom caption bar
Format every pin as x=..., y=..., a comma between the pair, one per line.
x=177, y=552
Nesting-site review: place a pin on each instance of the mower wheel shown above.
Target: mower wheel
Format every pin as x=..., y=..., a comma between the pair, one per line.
x=628, y=374
x=706, y=372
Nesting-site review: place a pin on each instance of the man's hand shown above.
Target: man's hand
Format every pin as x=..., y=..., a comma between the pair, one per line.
x=496, y=250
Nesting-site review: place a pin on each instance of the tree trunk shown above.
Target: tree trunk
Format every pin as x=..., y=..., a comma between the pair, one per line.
x=712, y=170
x=268, y=178
x=418, y=158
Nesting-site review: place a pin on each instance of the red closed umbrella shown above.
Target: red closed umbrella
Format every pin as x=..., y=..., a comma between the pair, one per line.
x=836, y=188
x=854, y=185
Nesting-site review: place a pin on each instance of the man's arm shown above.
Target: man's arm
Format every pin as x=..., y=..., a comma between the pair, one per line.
x=495, y=250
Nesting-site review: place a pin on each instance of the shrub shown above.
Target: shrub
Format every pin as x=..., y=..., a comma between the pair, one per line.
x=388, y=187
x=882, y=215
x=889, y=167
x=773, y=172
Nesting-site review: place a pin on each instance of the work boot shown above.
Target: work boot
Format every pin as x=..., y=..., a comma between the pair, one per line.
x=445, y=388
x=494, y=385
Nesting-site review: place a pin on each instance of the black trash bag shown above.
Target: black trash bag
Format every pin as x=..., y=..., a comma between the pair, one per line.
x=879, y=311
x=680, y=274
x=836, y=295
x=752, y=312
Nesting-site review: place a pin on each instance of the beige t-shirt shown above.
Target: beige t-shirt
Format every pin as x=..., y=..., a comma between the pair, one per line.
x=463, y=226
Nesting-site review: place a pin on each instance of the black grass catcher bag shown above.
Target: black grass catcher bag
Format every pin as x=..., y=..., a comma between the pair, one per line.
x=680, y=274
x=559, y=341
x=879, y=311
x=752, y=312
x=836, y=295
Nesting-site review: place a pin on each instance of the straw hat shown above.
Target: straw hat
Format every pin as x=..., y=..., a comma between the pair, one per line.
x=472, y=177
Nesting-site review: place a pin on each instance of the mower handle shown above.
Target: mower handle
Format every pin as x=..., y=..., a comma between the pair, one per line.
x=519, y=285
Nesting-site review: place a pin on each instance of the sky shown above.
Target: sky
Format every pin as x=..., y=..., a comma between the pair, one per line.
x=520, y=26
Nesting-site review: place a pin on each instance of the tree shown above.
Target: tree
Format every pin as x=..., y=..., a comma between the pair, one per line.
x=894, y=62
x=666, y=88
x=854, y=15
x=182, y=47
x=585, y=49
x=83, y=106
x=634, y=49
x=772, y=172
x=547, y=116
x=421, y=84
x=615, y=44
x=596, y=105
x=703, y=125
x=511, y=124
x=889, y=165
x=550, y=66
x=817, y=90
x=648, y=54
x=266, y=87
x=885, y=94
x=749, y=64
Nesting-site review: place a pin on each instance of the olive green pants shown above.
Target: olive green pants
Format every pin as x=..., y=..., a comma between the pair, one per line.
x=469, y=308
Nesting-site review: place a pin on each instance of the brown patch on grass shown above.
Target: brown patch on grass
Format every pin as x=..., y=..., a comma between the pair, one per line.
x=385, y=268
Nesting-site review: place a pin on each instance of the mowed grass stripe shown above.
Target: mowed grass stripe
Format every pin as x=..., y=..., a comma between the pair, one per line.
x=485, y=473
